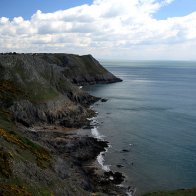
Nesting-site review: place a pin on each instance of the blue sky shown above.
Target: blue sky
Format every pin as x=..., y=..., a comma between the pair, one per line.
x=26, y=8
x=126, y=29
x=177, y=8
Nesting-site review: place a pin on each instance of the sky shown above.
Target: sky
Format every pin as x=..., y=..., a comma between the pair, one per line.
x=107, y=29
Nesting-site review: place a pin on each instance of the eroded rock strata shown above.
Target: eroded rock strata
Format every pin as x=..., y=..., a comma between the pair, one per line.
x=40, y=103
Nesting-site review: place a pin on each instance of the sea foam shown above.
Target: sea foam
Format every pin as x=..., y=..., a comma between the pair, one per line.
x=100, y=159
x=96, y=134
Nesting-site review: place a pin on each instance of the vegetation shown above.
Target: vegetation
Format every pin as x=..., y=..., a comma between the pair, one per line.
x=9, y=92
x=181, y=192
x=8, y=189
x=42, y=156
x=16, y=148
x=38, y=93
x=5, y=169
x=27, y=83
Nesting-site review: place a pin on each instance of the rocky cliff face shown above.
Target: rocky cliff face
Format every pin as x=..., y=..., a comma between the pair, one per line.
x=82, y=70
x=40, y=101
x=48, y=86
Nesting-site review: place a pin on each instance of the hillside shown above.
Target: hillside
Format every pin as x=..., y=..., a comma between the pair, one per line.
x=40, y=102
x=47, y=85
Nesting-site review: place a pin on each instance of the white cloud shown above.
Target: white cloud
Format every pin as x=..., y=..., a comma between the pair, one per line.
x=106, y=28
x=4, y=20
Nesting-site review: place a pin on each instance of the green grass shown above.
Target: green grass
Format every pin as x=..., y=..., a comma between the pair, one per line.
x=181, y=192
x=33, y=91
x=5, y=168
x=42, y=156
x=9, y=92
x=12, y=189
x=39, y=93
x=92, y=70
x=16, y=148
x=8, y=132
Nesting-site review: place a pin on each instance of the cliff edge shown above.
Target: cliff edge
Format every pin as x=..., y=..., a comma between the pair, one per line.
x=40, y=103
x=48, y=85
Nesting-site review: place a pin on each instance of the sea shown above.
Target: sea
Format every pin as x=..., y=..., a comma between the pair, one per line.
x=150, y=123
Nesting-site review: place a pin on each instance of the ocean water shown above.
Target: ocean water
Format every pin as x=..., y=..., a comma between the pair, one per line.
x=152, y=115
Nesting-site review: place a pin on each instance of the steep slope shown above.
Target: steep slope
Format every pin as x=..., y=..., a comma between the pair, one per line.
x=39, y=102
x=81, y=70
x=46, y=81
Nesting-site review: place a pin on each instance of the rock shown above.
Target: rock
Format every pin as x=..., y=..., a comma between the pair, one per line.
x=82, y=70
x=47, y=84
x=125, y=150
x=88, y=127
x=117, y=177
x=38, y=92
x=104, y=100
x=119, y=166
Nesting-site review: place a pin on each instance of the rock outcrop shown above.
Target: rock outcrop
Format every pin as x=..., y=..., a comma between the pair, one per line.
x=48, y=86
x=40, y=103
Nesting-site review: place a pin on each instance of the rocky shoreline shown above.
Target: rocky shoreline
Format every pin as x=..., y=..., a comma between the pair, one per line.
x=80, y=151
x=40, y=106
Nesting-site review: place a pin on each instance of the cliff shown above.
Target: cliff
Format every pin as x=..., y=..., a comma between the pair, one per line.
x=40, y=102
x=48, y=86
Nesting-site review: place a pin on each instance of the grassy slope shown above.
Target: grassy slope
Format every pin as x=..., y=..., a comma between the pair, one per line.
x=26, y=168
x=23, y=163
x=37, y=90
x=15, y=148
x=182, y=192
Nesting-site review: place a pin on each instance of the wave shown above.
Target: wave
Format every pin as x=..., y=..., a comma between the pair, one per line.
x=100, y=159
x=96, y=134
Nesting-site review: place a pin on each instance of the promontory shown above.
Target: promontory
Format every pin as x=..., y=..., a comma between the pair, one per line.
x=41, y=102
